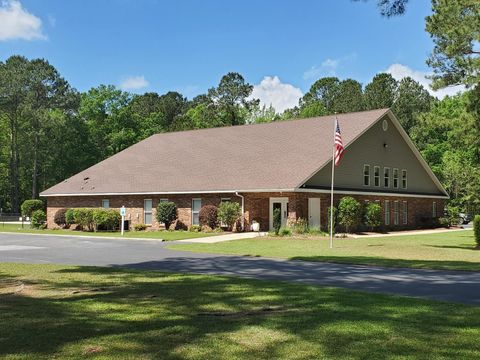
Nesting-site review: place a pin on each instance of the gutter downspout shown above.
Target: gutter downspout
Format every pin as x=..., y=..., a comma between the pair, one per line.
x=243, y=209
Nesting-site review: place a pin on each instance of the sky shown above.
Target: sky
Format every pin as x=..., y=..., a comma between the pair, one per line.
x=279, y=46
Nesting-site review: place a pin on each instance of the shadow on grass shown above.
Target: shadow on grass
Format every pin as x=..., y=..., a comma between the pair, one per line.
x=128, y=313
x=462, y=246
x=398, y=263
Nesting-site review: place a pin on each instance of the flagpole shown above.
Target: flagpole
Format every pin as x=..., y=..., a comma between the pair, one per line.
x=333, y=174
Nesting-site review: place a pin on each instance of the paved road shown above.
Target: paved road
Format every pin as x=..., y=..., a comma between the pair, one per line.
x=454, y=286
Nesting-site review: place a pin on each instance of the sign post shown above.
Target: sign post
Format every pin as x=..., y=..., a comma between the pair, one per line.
x=123, y=212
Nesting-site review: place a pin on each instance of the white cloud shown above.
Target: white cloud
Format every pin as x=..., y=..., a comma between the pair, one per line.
x=328, y=67
x=134, y=83
x=399, y=71
x=17, y=23
x=271, y=91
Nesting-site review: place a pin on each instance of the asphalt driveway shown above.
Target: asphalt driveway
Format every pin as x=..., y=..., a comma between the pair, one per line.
x=454, y=286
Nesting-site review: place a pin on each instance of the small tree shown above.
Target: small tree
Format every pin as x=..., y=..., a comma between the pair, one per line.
x=69, y=217
x=208, y=216
x=228, y=212
x=277, y=220
x=453, y=213
x=349, y=213
x=166, y=213
x=59, y=217
x=38, y=219
x=373, y=215
x=29, y=206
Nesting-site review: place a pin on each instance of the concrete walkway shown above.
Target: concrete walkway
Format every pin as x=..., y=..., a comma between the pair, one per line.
x=222, y=238
x=453, y=286
x=405, y=233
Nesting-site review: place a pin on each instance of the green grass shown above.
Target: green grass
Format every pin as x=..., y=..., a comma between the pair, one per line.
x=164, y=235
x=51, y=311
x=448, y=251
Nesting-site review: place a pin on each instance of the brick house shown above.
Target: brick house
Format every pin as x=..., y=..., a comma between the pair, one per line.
x=283, y=165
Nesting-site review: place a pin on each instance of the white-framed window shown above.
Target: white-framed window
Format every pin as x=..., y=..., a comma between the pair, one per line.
x=376, y=175
x=105, y=203
x=405, y=213
x=395, y=213
x=387, y=212
x=404, y=178
x=386, y=177
x=196, y=206
x=147, y=211
x=396, y=179
x=434, y=209
x=366, y=175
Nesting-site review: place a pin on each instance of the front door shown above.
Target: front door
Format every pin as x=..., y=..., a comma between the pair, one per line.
x=282, y=205
x=314, y=212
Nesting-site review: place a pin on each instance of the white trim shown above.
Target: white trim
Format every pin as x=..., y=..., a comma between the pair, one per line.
x=384, y=177
x=147, y=212
x=406, y=179
x=196, y=212
x=172, y=192
x=283, y=206
x=398, y=178
x=365, y=166
x=396, y=213
x=379, y=176
x=386, y=212
x=368, y=193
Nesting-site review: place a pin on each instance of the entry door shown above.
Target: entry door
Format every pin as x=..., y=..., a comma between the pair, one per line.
x=314, y=212
x=282, y=204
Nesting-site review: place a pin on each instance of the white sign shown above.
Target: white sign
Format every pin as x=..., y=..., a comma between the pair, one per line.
x=123, y=211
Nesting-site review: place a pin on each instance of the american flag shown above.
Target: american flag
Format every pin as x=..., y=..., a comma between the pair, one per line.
x=338, y=144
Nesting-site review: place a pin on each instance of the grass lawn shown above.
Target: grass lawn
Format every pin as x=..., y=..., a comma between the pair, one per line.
x=51, y=311
x=450, y=250
x=164, y=235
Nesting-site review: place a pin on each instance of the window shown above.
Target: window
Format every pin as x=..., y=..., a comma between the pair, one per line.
x=376, y=175
x=196, y=205
x=387, y=212
x=366, y=175
x=434, y=209
x=396, y=182
x=105, y=203
x=395, y=213
x=404, y=179
x=147, y=211
x=386, y=177
x=405, y=213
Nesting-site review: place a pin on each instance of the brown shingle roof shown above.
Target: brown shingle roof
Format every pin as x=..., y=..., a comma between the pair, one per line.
x=271, y=156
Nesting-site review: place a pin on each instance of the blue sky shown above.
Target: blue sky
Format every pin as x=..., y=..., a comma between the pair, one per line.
x=281, y=46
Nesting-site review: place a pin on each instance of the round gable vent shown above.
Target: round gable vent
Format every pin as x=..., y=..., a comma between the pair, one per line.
x=385, y=125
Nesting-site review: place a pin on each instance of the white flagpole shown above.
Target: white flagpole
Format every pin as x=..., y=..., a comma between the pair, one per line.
x=333, y=174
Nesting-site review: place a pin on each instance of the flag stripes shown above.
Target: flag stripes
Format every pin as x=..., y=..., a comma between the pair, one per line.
x=338, y=145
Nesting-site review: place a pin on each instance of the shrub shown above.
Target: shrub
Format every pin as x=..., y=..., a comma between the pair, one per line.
x=38, y=219
x=208, y=216
x=59, y=217
x=206, y=229
x=277, y=220
x=335, y=218
x=476, y=229
x=453, y=215
x=298, y=226
x=29, y=206
x=373, y=215
x=166, y=213
x=105, y=219
x=284, y=231
x=228, y=212
x=315, y=230
x=69, y=217
x=140, y=227
x=194, y=228
x=349, y=213
x=444, y=222
x=83, y=217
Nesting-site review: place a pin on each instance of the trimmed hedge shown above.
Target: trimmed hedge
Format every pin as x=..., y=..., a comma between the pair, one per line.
x=93, y=219
x=38, y=219
x=29, y=206
x=208, y=216
x=476, y=229
x=166, y=213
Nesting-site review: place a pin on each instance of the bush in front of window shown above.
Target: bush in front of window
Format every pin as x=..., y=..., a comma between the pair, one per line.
x=83, y=218
x=208, y=216
x=105, y=219
x=228, y=212
x=166, y=213
x=38, y=219
x=349, y=213
x=29, y=206
x=59, y=218
x=69, y=217
x=373, y=216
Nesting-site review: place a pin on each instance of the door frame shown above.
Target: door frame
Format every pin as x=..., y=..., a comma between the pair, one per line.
x=284, y=202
